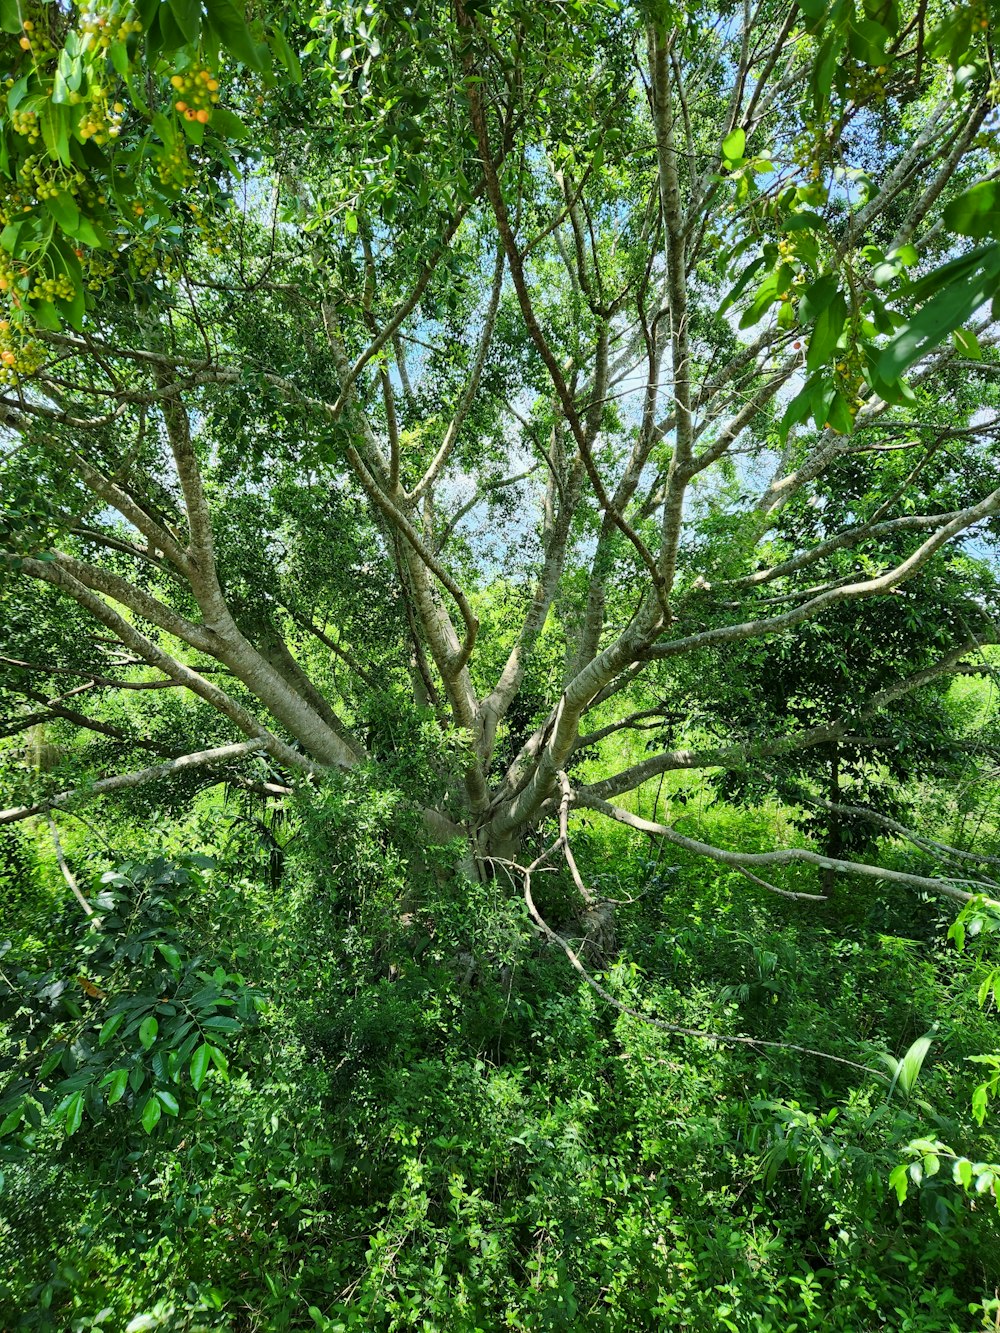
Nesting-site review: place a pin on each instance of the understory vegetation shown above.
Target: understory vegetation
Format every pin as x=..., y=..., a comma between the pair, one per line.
x=417, y=1114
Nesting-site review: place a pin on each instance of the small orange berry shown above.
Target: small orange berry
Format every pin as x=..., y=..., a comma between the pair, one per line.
x=189, y=114
x=181, y=106
x=25, y=44
x=202, y=117
x=177, y=81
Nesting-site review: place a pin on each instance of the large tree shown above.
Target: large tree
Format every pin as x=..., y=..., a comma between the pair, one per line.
x=452, y=404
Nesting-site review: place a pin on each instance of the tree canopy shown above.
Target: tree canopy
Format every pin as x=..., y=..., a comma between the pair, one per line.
x=474, y=433
x=321, y=331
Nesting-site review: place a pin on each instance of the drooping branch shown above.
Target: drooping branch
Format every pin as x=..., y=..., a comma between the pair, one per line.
x=222, y=754
x=787, y=856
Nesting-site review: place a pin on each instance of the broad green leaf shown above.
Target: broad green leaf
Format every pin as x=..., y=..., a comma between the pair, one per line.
x=199, y=1066
x=148, y=1029
x=117, y=1085
x=967, y=343
x=980, y=1097
x=899, y=1180
x=228, y=21
x=11, y=1121
x=74, y=1113
x=49, y=1063
x=911, y=1064
x=818, y=296
x=947, y=310
x=151, y=1113
x=286, y=55
x=168, y=1101
x=109, y=1029
x=734, y=145
x=10, y=16
x=827, y=332
x=228, y=124
x=187, y=15
x=975, y=213
x=171, y=955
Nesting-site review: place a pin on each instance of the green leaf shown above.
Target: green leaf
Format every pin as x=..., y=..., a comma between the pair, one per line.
x=148, y=1029
x=74, y=1113
x=187, y=16
x=229, y=23
x=169, y=1102
x=906, y=255
x=50, y=1062
x=962, y=1172
x=11, y=1121
x=827, y=333
x=947, y=310
x=54, y=122
x=733, y=145
x=47, y=317
x=109, y=1029
x=88, y=233
x=117, y=1085
x=976, y=212
x=967, y=343
x=199, y=1066
x=119, y=59
x=899, y=1181
x=222, y=1024
x=765, y=296
x=171, y=955
x=909, y=1067
x=151, y=1113
x=818, y=296
x=980, y=1098
x=286, y=55
x=228, y=124
x=10, y=16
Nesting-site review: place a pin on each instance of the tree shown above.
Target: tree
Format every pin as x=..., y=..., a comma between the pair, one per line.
x=582, y=302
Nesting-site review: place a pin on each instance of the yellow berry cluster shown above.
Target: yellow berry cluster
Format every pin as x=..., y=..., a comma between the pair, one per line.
x=199, y=92
x=20, y=355
x=57, y=288
x=9, y=274
x=12, y=202
x=37, y=41
x=812, y=149
x=26, y=123
x=101, y=122
x=172, y=165
x=98, y=267
x=216, y=235
x=99, y=28
x=46, y=179
x=849, y=379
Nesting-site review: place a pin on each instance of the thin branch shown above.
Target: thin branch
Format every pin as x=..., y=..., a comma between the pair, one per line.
x=123, y=781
